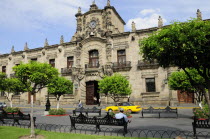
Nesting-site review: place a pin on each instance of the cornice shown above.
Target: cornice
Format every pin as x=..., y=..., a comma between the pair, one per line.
x=115, y=11
x=83, y=42
x=4, y=55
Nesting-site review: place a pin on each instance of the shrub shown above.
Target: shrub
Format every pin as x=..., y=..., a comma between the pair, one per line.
x=12, y=109
x=206, y=108
x=199, y=113
x=57, y=111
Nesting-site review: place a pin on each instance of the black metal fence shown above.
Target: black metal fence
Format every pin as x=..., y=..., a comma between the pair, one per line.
x=109, y=131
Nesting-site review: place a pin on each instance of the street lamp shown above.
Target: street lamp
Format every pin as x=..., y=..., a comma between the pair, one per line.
x=47, y=103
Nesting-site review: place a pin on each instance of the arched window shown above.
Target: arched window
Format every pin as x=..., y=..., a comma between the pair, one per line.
x=93, y=59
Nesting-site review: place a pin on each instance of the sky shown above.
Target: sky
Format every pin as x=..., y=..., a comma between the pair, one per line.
x=33, y=21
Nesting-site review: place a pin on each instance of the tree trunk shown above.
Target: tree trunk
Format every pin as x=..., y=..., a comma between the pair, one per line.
x=10, y=102
x=58, y=103
x=208, y=99
x=32, y=113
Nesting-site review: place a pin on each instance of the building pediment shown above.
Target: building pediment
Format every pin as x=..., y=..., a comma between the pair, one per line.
x=93, y=39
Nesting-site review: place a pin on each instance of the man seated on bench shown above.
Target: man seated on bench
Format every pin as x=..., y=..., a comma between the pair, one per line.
x=121, y=115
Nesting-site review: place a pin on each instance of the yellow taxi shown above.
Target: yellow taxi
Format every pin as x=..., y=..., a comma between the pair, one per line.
x=126, y=106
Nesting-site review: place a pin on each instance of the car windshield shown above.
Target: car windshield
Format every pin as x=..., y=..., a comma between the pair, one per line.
x=127, y=104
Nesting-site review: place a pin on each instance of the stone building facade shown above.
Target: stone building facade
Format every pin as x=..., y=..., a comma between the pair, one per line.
x=99, y=47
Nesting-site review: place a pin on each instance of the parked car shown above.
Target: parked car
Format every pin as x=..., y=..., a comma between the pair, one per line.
x=126, y=106
x=2, y=105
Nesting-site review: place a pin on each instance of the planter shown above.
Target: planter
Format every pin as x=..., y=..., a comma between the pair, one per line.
x=58, y=115
x=12, y=113
x=202, y=118
x=130, y=116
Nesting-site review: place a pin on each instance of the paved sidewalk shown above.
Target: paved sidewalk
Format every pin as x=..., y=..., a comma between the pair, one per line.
x=181, y=106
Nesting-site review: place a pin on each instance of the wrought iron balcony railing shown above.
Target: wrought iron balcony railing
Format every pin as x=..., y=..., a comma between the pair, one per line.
x=12, y=75
x=147, y=65
x=92, y=65
x=121, y=66
x=66, y=71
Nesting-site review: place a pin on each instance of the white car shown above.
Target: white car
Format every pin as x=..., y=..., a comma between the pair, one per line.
x=2, y=105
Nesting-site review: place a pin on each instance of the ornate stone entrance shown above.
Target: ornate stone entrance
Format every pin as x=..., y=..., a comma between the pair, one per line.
x=92, y=95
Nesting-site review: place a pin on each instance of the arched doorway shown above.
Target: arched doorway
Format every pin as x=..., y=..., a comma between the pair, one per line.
x=92, y=95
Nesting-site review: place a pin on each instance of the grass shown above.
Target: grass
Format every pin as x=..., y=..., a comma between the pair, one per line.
x=15, y=132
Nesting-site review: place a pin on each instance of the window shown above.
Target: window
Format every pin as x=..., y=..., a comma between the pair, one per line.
x=34, y=59
x=52, y=62
x=121, y=57
x=150, y=85
x=70, y=62
x=4, y=69
x=93, y=59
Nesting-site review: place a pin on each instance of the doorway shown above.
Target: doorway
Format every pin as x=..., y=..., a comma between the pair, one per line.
x=185, y=97
x=92, y=95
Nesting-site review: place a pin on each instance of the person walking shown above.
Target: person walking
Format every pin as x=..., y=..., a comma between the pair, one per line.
x=80, y=104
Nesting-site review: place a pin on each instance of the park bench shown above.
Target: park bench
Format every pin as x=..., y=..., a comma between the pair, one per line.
x=167, y=110
x=107, y=120
x=200, y=123
x=16, y=117
x=86, y=111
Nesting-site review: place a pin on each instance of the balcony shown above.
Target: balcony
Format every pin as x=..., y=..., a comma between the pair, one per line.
x=124, y=66
x=147, y=65
x=66, y=71
x=12, y=75
x=92, y=65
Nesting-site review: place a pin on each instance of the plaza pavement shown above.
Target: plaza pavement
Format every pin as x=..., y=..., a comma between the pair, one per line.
x=150, y=122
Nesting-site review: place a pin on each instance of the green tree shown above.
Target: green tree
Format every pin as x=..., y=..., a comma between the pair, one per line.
x=59, y=86
x=3, y=76
x=180, y=81
x=183, y=45
x=34, y=76
x=114, y=86
x=11, y=86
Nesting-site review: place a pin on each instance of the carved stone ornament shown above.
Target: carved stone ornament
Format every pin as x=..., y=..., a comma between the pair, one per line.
x=108, y=70
x=80, y=75
x=10, y=58
x=23, y=56
x=43, y=52
x=60, y=49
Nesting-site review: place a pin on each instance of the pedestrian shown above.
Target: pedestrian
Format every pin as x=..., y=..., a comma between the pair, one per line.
x=80, y=104
x=121, y=115
x=94, y=100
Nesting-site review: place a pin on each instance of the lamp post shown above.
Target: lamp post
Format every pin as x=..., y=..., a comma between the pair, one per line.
x=47, y=103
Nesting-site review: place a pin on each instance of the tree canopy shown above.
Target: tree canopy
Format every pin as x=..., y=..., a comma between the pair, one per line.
x=180, y=81
x=59, y=86
x=35, y=75
x=183, y=45
x=114, y=85
x=2, y=81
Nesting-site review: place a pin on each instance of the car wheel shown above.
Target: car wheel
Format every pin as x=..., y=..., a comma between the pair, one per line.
x=110, y=110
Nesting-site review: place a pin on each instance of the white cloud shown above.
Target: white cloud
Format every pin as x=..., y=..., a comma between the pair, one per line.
x=149, y=11
x=38, y=14
x=146, y=19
